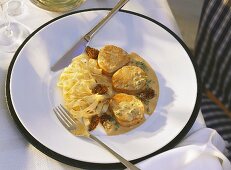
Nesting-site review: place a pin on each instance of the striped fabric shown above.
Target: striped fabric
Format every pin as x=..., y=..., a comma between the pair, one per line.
x=213, y=49
x=213, y=56
x=215, y=118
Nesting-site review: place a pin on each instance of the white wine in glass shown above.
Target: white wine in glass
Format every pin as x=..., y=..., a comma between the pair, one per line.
x=58, y=5
x=12, y=34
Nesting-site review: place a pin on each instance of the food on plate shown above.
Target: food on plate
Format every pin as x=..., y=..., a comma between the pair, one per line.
x=109, y=88
x=100, y=89
x=92, y=52
x=127, y=109
x=77, y=82
x=111, y=58
x=129, y=79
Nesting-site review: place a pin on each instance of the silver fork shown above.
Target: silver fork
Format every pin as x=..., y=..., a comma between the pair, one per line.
x=64, y=117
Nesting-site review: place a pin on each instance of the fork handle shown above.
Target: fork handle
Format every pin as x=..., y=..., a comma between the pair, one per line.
x=114, y=10
x=122, y=160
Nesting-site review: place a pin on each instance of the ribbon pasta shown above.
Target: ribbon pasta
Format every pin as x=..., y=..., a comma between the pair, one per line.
x=77, y=81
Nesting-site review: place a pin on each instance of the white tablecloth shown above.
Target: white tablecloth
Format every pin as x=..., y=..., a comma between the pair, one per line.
x=201, y=149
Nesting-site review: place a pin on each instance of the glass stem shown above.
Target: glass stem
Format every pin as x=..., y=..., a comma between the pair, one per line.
x=8, y=29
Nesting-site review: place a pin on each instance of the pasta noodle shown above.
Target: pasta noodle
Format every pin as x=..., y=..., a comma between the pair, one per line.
x=77, y=81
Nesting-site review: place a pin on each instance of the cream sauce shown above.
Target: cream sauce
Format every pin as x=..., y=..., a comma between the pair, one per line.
x=111, y=126
x=152, y=82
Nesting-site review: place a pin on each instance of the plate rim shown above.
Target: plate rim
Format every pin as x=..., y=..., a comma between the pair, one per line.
x=82, y=164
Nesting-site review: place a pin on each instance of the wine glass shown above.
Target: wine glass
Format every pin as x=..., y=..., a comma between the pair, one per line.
x=12, y=34
x=58, y=5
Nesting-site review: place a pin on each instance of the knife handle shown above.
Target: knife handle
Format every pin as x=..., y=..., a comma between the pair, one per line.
x=114, y=10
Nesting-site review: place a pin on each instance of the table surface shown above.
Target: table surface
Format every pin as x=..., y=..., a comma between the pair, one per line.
x=12, y=143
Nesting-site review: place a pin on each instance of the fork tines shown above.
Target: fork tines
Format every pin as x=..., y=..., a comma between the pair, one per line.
x=64, y=117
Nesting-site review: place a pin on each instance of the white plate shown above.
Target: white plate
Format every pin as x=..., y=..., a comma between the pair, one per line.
x=32, y=92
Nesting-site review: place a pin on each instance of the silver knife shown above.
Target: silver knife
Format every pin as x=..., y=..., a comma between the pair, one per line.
x=80, y=46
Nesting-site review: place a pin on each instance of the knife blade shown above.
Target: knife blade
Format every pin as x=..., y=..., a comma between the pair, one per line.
x=76, y=50
x=80, y=46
